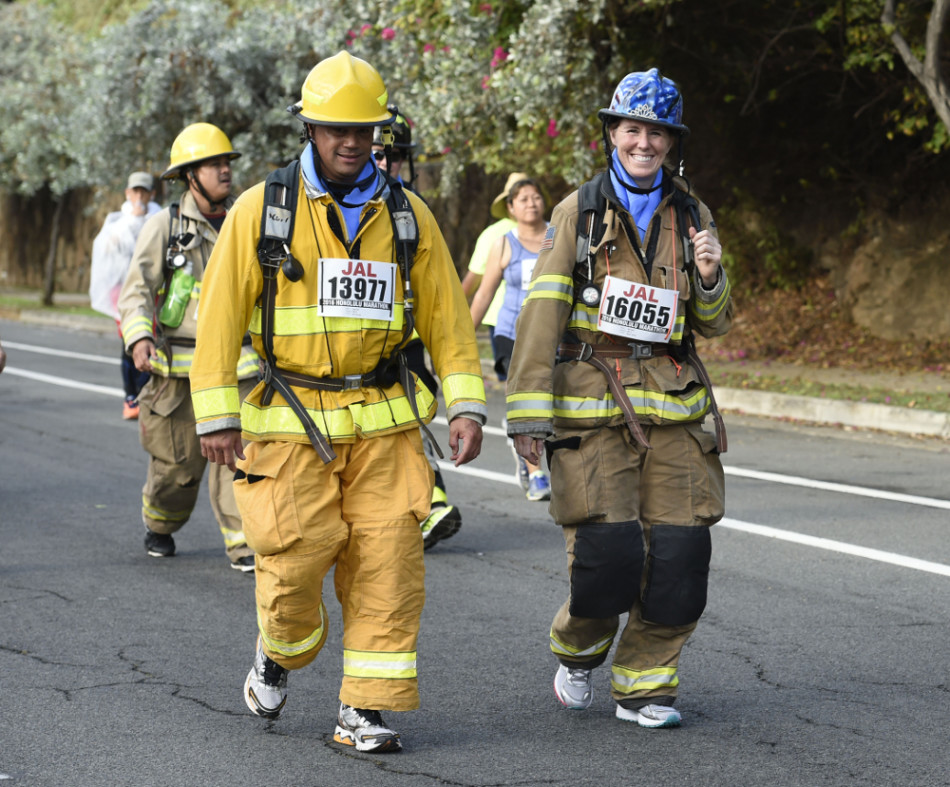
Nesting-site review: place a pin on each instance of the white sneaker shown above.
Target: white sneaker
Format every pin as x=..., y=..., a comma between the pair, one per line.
x=365, y=730
x=573, y=688
x=653, y=716
x=265, y=690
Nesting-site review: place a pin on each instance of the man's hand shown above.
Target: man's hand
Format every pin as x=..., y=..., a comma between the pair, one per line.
x=465, y=439
x=143, y=351
x=222, y=447
x=529, y=448
x=708, y=254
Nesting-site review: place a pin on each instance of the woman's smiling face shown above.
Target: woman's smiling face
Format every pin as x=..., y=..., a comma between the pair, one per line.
x=641, y=148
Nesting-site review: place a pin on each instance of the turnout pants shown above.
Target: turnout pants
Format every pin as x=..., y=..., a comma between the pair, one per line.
x=167, y=433
x=361, y=514
x=636, y=526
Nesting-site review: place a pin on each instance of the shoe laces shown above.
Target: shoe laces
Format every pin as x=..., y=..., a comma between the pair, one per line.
x=274, y=674
x=367, y=718
x=578, y=677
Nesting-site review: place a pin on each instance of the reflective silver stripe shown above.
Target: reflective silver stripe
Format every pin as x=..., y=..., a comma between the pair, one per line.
x=601, y=646
x=628, y=681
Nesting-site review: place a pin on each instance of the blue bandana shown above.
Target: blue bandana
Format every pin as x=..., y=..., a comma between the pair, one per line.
x=357, y=198
x=640, y=206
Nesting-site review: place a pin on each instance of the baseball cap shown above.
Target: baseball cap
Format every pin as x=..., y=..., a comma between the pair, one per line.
x=141, y=180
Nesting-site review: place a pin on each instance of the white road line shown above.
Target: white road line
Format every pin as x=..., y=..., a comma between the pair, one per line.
x=733, y=524
x=837, y=546
x=775, y=478
x=64, y=383
x=32, y=348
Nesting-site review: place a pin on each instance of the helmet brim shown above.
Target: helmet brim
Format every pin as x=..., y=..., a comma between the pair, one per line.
x=606, y=114
x=173, y=172
x=297, y=111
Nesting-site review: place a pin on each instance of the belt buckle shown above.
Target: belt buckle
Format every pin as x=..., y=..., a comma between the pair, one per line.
x=352, y=382
x=640, y=351
x=587, y=351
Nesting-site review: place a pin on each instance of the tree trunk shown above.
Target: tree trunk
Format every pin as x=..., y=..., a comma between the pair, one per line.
x=49, y=279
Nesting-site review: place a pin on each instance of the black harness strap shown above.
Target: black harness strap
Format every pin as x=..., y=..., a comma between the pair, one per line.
x=273, y=252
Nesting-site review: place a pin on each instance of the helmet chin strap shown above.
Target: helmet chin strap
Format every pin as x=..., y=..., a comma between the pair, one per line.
x=193, y=181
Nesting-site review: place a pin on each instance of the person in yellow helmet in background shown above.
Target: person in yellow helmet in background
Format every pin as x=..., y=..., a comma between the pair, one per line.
x=158, y=309
x=334, y=474
x=444, y=518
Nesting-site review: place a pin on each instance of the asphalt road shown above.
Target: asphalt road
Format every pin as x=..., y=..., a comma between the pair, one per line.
x=821, y=659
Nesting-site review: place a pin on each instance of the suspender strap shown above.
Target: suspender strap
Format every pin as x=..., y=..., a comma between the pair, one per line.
x=722, y=444
x=280, y=203
x=621, y=398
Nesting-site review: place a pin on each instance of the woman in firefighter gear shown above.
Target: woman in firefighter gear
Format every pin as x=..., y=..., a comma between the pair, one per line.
x=395, y=157
x=606, y=379
x=158, y=308
x=334, y=474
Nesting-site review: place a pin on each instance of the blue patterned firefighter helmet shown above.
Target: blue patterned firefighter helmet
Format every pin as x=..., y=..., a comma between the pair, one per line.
x=647, y=96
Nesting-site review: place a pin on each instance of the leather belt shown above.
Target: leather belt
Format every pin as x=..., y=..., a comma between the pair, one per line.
x=584, y=352
x=349, y=382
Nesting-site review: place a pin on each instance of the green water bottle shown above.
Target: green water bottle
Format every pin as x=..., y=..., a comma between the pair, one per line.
x=179, y=294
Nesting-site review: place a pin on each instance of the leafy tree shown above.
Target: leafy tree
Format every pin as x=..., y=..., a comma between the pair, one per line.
x=39, y=60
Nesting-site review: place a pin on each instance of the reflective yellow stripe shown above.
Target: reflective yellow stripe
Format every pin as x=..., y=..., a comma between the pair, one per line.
x=160, y=514
x=707, y=312
x=232, y=538
x=645, y=403
x=377, y=664
x=137, y=324
x=277, y=420
x=290, y=649
x=461, y=387
x=532, y=404
x=224, y=402
x=559, y=648
x=551, y=287
x=304, y=321
x=182, y=360
x=628, y=681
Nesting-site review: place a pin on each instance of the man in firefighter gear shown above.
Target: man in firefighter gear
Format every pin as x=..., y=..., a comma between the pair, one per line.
x=445, y=518
x=606, y=379
x=158, y=308
x=334, y=473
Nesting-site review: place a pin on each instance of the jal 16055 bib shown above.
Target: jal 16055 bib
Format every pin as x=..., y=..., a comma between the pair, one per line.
x=637, y=311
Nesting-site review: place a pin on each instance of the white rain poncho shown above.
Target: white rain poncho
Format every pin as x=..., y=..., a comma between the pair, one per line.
x=111, y=253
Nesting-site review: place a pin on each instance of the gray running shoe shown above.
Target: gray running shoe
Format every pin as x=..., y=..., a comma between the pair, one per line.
x=265, y=690
x=365, y=730
x=573, y=688
x=653, y=716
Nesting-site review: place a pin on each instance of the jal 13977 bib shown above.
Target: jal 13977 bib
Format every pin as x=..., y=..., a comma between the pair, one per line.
x=357, y=288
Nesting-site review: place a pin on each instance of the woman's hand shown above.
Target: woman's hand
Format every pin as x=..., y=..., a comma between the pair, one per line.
x=708, y=254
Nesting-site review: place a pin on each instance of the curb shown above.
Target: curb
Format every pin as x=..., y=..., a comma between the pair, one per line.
x=79, y=322
x=831, y=411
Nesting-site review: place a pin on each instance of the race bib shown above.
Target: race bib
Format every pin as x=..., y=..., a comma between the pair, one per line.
x=364, y=289
x=637, y=311
x=527, y=271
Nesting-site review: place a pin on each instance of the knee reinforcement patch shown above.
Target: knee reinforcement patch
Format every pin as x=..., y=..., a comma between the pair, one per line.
x=607, y=567
x=678, y=574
